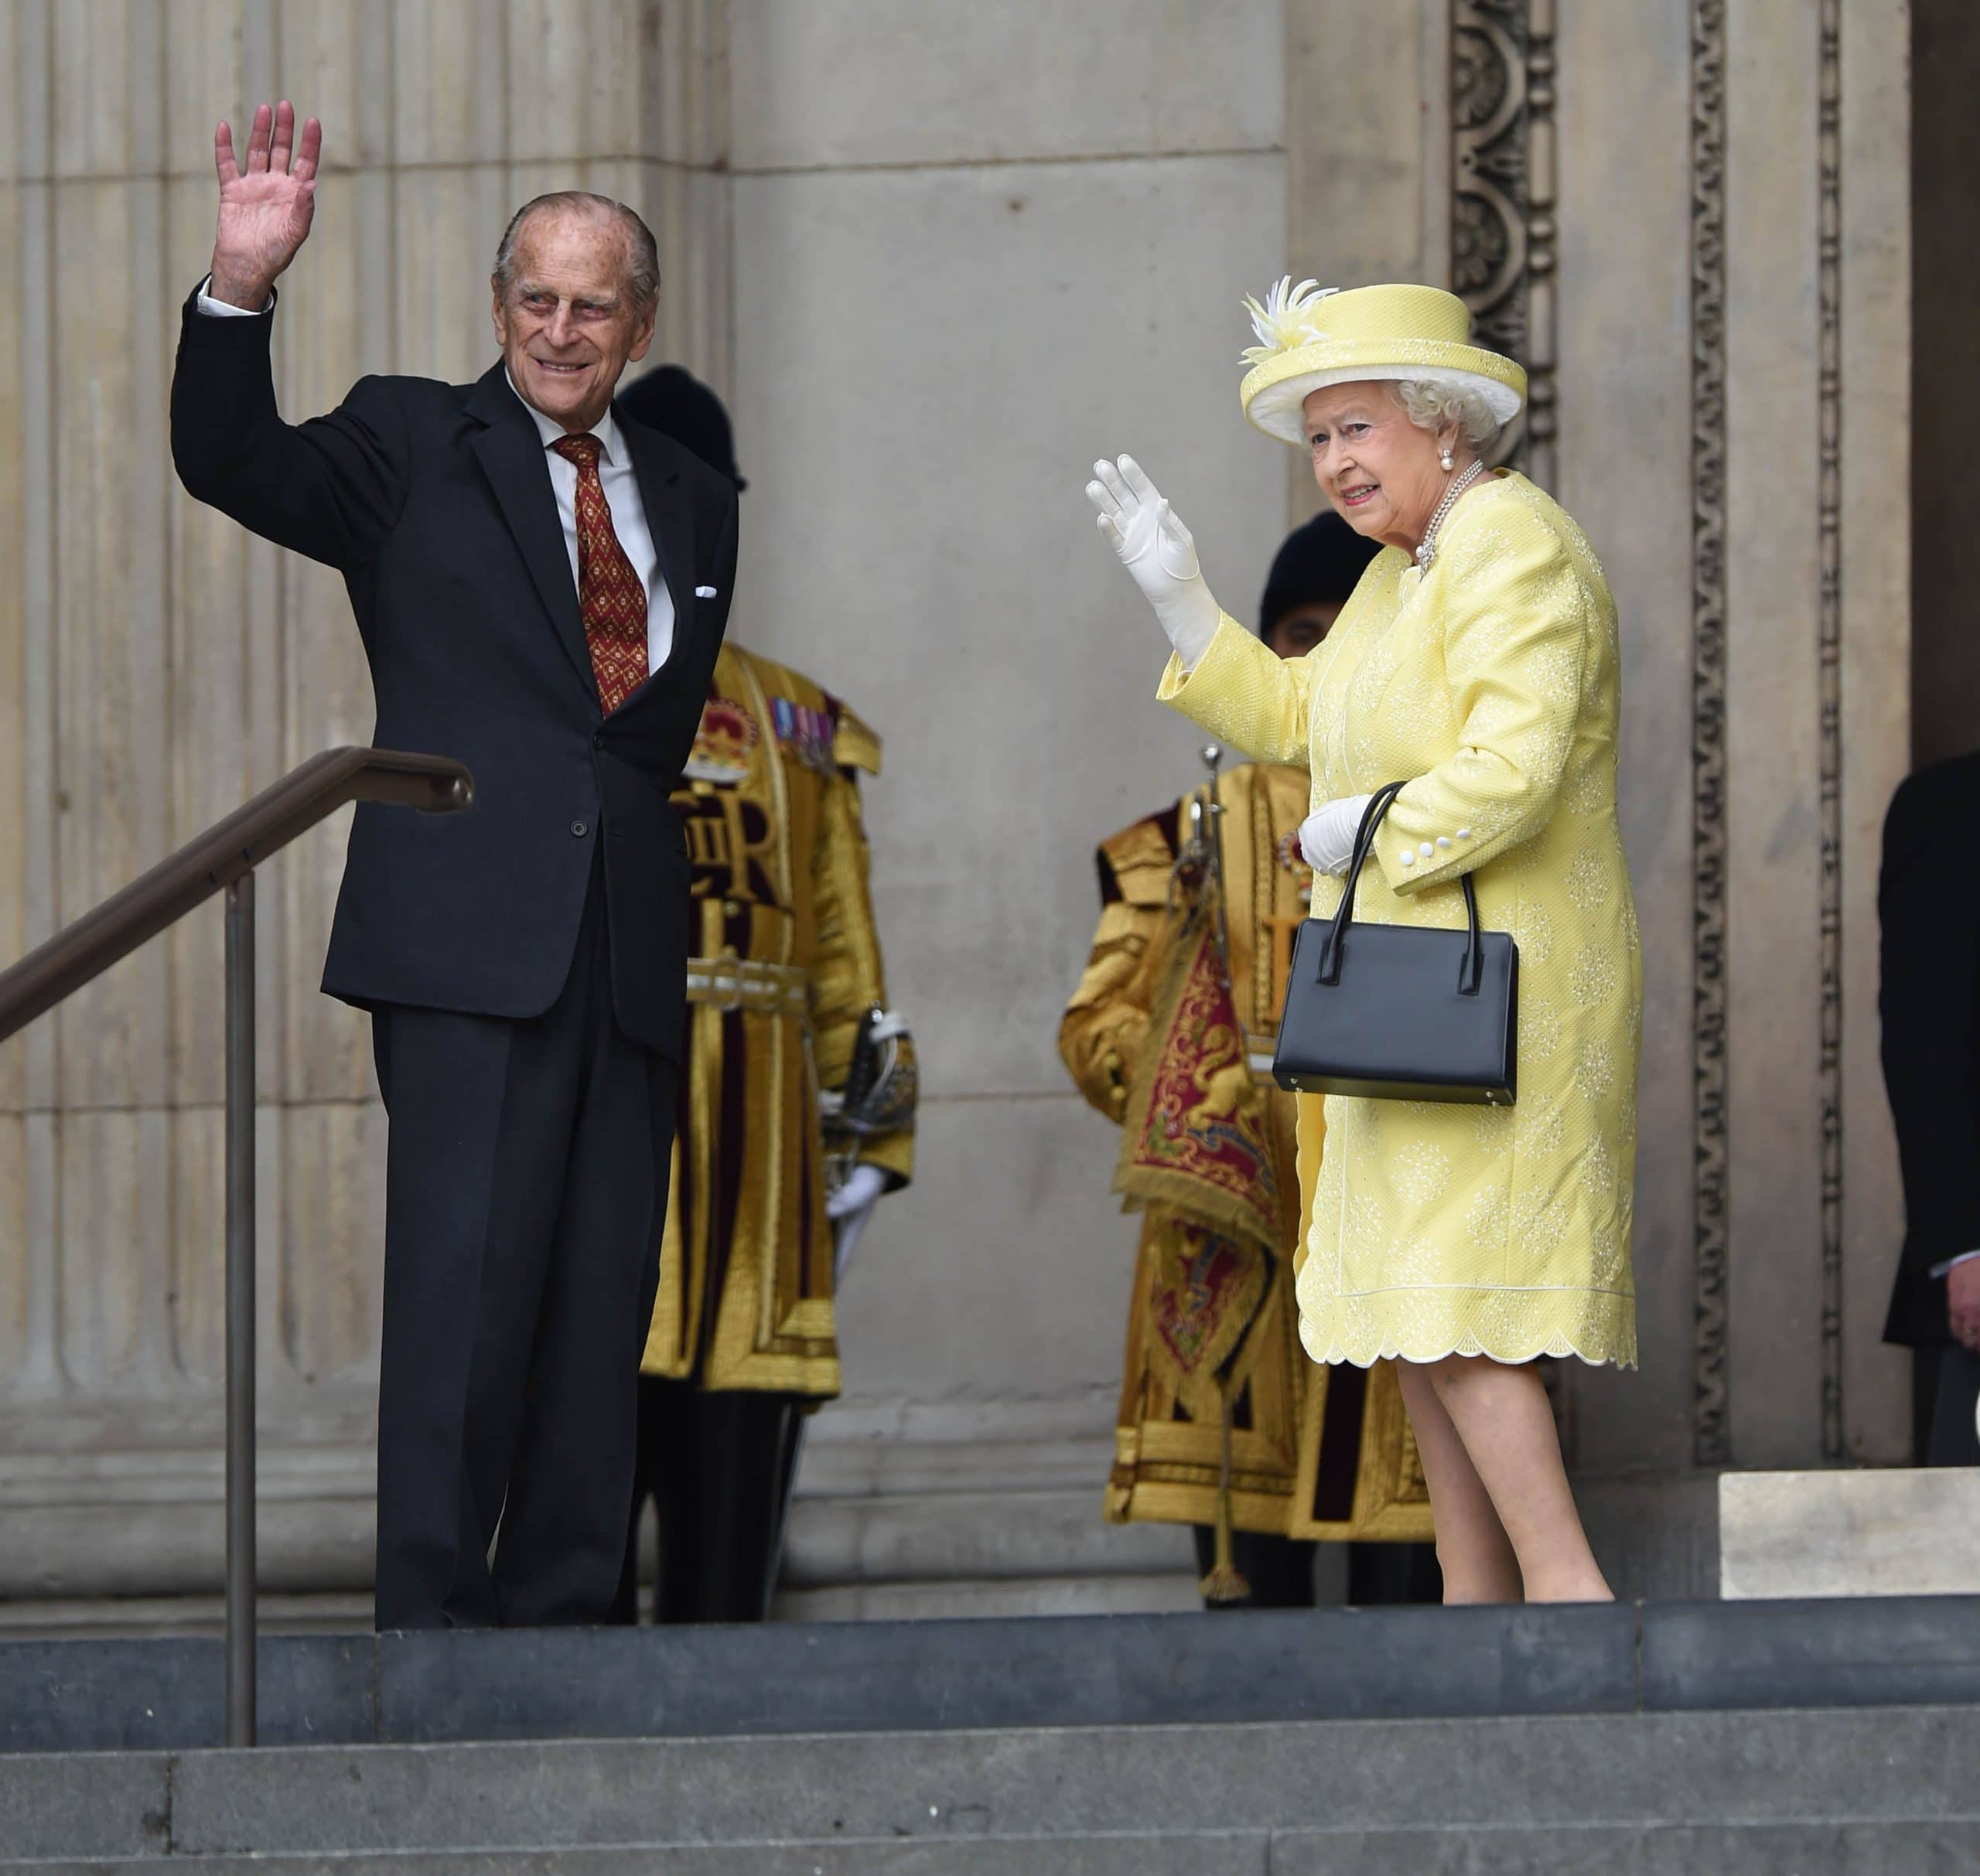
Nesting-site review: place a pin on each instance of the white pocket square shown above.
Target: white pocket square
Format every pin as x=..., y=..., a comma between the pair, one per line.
x=704, y=592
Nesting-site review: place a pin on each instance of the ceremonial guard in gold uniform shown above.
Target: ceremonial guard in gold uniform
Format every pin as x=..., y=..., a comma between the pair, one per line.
x=795, y=1110
x=1224, y=1423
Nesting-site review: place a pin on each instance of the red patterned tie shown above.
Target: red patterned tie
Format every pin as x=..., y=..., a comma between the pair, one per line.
x=611, y=601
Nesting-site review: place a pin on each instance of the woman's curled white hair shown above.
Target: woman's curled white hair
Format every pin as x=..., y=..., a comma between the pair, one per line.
x=1430, y=403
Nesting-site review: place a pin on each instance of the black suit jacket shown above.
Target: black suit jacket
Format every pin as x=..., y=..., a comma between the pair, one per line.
x=1928, y=905
x=435, y=502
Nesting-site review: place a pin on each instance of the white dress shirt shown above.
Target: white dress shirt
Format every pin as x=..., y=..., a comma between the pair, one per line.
x=621, y=496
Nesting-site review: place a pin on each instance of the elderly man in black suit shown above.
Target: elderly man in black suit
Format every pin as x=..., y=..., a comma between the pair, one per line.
x=1929, y=909
x=541, y=589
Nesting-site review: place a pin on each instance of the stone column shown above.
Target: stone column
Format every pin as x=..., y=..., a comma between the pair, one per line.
x=157, y=666
x=1734, y=297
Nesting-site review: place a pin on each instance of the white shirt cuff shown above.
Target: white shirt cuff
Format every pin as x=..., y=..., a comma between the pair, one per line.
x=1965, y=1256
x=219, y=309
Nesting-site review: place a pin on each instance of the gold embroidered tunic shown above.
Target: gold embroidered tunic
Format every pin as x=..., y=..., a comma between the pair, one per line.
x=1155, y=1031
x=1492, y=682
x=788, y=967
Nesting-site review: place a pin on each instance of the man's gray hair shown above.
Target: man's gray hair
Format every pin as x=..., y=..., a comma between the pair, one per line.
x=1431, y=402
x=643, y=269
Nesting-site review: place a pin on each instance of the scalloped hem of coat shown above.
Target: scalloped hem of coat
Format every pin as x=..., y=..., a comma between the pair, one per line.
x=1560, y=1347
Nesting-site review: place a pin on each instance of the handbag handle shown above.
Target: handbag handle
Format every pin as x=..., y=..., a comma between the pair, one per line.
x=1470, y=967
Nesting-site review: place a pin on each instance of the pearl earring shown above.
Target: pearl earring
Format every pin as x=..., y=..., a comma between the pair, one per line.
x=1449, y=461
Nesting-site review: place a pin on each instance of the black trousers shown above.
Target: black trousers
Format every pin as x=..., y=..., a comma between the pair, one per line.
x=1945, y=1390
x=719, y=1468
x=1280, y=1570
x=525, y=1192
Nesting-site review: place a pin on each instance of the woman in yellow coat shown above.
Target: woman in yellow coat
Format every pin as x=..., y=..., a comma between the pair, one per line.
x=1478, y=659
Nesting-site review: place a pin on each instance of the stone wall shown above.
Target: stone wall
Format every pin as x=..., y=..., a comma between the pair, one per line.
x=968, y=262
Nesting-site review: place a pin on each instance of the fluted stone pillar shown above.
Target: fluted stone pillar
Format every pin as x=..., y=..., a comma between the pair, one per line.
x=157, y=666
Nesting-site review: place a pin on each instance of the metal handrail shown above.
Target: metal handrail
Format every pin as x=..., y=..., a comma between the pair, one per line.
x=227, y=851
x=223, y=860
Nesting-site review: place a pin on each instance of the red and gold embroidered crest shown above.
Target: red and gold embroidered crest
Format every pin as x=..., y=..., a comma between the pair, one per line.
x=1204, y=1290
x=723, y=743
x=1198, y=1137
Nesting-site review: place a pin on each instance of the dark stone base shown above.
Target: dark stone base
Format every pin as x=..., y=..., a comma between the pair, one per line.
x=1261, y=1666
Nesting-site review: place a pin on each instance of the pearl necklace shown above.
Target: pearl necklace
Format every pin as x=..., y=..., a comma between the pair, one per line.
x=1427, y=551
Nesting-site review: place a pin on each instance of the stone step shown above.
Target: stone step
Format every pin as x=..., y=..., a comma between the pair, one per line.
x=932, y=1537
x=1897, y=1532
x=963, y=1599
x=1431, y=1794
x=146, y=1617
x=1919, y=1847
x=906, y=1676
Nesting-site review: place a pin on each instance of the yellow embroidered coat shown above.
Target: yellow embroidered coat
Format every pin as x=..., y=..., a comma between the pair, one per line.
x=1211, y=1317
x=770, y=807
x=1491, y=681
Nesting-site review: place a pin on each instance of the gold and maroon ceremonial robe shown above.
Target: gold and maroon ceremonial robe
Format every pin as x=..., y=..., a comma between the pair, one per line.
x=1180, y=998
x=786, y=968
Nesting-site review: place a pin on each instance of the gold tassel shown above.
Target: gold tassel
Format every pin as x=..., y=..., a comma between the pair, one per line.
x=1226, y=1582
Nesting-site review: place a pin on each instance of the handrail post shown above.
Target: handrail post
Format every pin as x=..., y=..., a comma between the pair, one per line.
x=240, y=1311
x=222, y=859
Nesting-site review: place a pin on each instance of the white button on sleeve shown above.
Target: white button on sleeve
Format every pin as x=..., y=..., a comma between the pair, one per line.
x=1464, y=833
x=1408, y=858
x=1443, y=840
x=1426, y=850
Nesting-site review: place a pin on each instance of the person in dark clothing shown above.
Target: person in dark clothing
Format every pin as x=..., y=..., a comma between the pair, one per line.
x=541, y=592
x=1929, y=909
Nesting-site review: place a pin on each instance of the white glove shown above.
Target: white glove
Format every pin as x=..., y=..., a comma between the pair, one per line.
x=1156, y=548
x=1327, y=836
x=848, y=1209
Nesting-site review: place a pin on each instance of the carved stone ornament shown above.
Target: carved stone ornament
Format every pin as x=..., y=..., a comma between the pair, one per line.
x=1710, y=1148
x=1502, y=227
x=1829, y=522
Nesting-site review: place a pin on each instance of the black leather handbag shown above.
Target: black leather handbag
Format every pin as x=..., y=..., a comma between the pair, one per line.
x=1399, y=1012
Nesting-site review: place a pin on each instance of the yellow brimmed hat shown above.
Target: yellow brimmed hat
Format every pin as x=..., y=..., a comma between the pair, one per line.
x=1310, y=336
